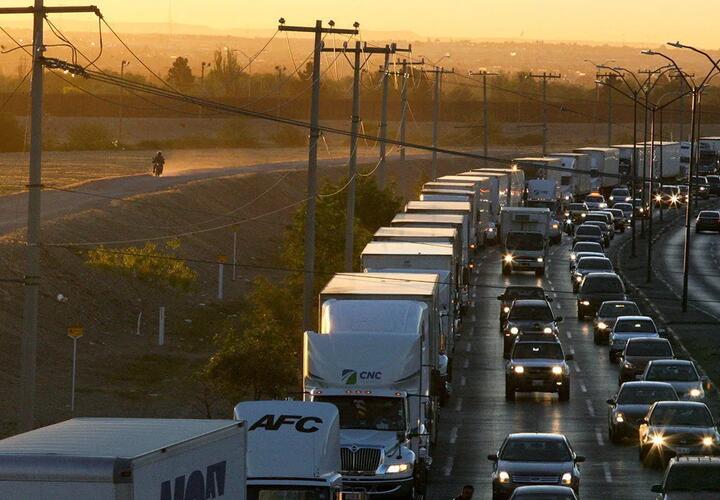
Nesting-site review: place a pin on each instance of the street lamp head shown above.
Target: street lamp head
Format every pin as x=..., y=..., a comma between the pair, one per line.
x=677, y=45
x=648, y=52
x=331, y=23
x=281, y=20
x=356, y=25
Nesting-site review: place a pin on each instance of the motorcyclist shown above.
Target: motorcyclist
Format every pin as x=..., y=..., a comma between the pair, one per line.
x=158, y=163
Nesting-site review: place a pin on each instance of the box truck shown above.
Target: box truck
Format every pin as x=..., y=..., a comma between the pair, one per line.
x=376, y=382
x=575, y=177
x=524, y=234
x=126, y=459
x=539, y=167
x=463, y=208
x=665, y=163
x=516, y=185
x=429, y=235
x=543, y=193
x=481, y=185
x=458, y=222
x=604, y=168
x=625, y=158
x=293, y=449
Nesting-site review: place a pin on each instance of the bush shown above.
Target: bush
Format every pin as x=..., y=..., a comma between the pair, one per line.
x=288, y=135
x=12, y=137
x=236, y=133
x=88, y=136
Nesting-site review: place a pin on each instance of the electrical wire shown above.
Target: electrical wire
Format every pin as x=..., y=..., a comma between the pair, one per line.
x=17, y=87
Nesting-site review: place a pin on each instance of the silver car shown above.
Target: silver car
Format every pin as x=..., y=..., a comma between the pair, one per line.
x=679, y=373
x=629, y=327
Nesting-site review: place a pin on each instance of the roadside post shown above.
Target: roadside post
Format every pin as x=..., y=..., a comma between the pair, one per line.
x=222, y=259
x=74, y=332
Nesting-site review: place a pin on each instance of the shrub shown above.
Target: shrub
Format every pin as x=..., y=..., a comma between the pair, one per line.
x=288, y=135
x=12, y=137
x=87, y=136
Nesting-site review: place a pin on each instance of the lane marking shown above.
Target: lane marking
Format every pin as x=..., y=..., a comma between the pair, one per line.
x=569, y=335
x=577, y=368
x=608, y=474
x=590, y=408
x=472, y=318
x=449, y=466
x=453, y=435
x=559, y=305
x=463, y=380
x=466, y=363
x=458, y=405
x=599, y=437
x=582, y=387
x=468, y=347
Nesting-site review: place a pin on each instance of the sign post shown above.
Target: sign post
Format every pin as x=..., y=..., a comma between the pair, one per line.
x=221, y=268
x=74, y=332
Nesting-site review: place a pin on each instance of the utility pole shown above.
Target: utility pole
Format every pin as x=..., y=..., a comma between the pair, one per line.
x=610, y=118
x=309, y=256
x=405, y=76
x=28, y=361
x=123, y=63
x=484, y=75
x=545, y=76
x=648, y=274
x=438, y=72
x=385, y=70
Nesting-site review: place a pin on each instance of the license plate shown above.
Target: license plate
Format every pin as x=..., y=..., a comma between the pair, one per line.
x=538, y=383
x=682, y=451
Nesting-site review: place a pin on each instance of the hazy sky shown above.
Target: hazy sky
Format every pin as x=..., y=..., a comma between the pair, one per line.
x=648, y=21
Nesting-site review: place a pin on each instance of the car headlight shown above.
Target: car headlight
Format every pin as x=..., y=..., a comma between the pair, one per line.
x=397, y=468
x=695, y=393
x=567, y=478
x=503, y=477
x=658, y=198
x=540, y=259
x=490, y=229
x=557, y=370
x=578, y=278
x=603, y=205
x=657, y=440
x=514, y=330
x=707, y=441
x=627, y=365
x=641, y=210
x=602, y=326
x=547, y=329
x=674, y=199
x=519, y=369
x=619, y=417
x=573, y=256
x=585, y=302
x=506, y=309
x=612, y=198
x=627, y=198
x=583, y=215
x=555, y=226
x=567, y=214
x=472, y=245
x=508, y=258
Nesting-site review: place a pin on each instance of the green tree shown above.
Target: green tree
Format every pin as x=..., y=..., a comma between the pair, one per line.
x=12, y=136
x=180, y=75
x=226, y=71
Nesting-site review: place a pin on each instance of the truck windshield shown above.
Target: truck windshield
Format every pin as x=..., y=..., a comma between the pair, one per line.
x=368, y=412
x=270, y=492
x=525, y=241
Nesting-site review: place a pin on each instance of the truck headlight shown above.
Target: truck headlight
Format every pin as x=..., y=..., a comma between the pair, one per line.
x=583, y=215
x=547, y=329
x=602, y=205
x=514, y=330
x=503, y=477
x=557, y=370
x=519, y=369
x=695, y=393
x=657, y=439
x=707, y=441
x=619, y=417
x=612, y=198
x=540, y=259
x=567, y=478
x=508, y=259
x=397, y=468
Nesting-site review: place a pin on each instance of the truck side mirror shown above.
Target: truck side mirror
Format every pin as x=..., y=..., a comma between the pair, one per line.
x=558, y=319
x=610, y=401
x=500, y=297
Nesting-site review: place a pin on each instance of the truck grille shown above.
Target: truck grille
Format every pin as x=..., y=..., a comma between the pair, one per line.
x=528, y=479
x=359, y=460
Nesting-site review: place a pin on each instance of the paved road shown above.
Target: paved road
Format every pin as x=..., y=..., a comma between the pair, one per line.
x=478, y=417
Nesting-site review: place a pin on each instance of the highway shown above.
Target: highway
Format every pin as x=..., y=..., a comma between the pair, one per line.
x=478, y=417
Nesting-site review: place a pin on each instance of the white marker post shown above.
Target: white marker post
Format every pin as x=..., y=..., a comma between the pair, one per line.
x=234, y=255
x=221, y=271
x=161, y=327
x=74, y=332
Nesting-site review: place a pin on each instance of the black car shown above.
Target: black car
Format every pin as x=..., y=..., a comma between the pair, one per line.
x=587, y=265
x=702, y=187
x=690, y=478
x=639, y=352
x=534, y=459
x=642, y=209
x=677, y=428
x=597, y=288
x=606, y=316
x=513, y=293
x=537, y=365
x=714, y=184
x=707, y=220
x=584, y=246
x=544, y=493
x=588, y=232
x=619, y=219
x=632, y=403
x=529, y=316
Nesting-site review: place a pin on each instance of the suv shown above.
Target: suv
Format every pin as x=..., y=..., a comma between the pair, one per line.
x=606, y=316
x=619, y=195
x=587, y=265
x=595, y=201
x=597, y=288
x=630, y=327
x=575, y=212
x=639, y=352
x=618, y=217
x=708, y=220
x=513, y=293
x=627, y=210
x=588, y=232
x=529, y=316
x=666, y=195
x=537, y=366
x=605, y=222
x=631, y=403
x=690, y=477
x=702, y=187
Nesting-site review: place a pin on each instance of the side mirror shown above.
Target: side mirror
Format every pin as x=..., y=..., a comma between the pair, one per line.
x=549, y=299
x=661, y=331
x=656, y=488
x=558, y=319
x=569, y=357
x=641, y=421
x=500, y=297
x=610, y=401
x=492, y=457
x=579, y=459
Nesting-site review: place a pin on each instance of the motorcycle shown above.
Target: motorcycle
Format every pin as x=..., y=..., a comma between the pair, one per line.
x=157, y=168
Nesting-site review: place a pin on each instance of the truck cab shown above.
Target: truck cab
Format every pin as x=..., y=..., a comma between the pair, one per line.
x=524, y=233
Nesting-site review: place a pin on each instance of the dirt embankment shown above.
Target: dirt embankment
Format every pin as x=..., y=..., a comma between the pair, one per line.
x=121, y=373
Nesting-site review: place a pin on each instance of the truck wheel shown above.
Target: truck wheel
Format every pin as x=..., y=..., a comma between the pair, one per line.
x=540, y=272
x=509, y=392
x=564, y=392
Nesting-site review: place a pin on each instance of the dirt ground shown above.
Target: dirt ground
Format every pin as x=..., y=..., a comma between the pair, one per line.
x=121, y=372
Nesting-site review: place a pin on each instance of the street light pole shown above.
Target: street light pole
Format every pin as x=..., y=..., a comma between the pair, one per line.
x=123, y=63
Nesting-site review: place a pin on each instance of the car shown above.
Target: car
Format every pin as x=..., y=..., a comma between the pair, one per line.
x=679, y=373
x=586, y=246
x=607, y=314
x=666, y=196
x=543, y=493
x=595, y=289
x=683, y=193
x=676, y=428
x=595, y=201
x=574, y=212
x=512, y=293
x=619, y=195
x=619, y=219
x=630, y=327
x=529, y=316
x=702, y=187
x=690, y=478
x=587, y=265
x=580, y=255
x=555, y=234
x=537, y=365
x=604, y=228
x=714, y=184
x=588, y=232
x=631, y=403
x=603, y=218
x=642, y=209
x=627, y=210
x=639, y=352
x=707, y=220
x=535, y=459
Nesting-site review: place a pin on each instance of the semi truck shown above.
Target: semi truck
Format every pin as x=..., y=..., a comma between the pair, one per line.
x=458, y=222
x=516, y=181
x=625, y=156
x=126, y=459
x=482, y=187
x=307, y=437
x=463, y=208
x=543, y=193
x=428, y=235
x=665, y=163
x=575, y=176
x=524, y=233
x=604, y=168
x=541, y=167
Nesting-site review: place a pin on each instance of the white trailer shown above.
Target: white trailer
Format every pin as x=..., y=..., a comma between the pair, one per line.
x=126, y=459
x=524, y=233
x=543, y=193
x=463, y=208
x=482, y=187
x=625, y=155
x=430, y=235
x=458, y=222
x=293, y=449
x=666, y=162
x=540, y=167
x=575, y=177
x=604, y=167
x=516, y=182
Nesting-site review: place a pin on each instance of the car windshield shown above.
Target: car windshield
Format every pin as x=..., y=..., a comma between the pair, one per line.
x=613, y=310
x=625, y=207
x=587, y=246
x=588, y=231
x=708, y=215
x=713, y=180
x=594, y=199
x=591, y=263
x=672, y=373
x=683, y=189
x=525, y=241
x=602, y=284
x=524, y=293
x=693, y=477
x=635, y=325
x=575, y=207
x=668, y=189
x=535, y=450
x=649, y=349
x=639, y=395
x=620, y=192
x=523, y=312
x=539, y=350
x=374, y=413
x=595, y=218
x=677, y=415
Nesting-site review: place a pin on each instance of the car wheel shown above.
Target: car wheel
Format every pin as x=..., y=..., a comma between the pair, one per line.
x=564, y=392
x=509, y=392
x=615, y=437
x=540, y=272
